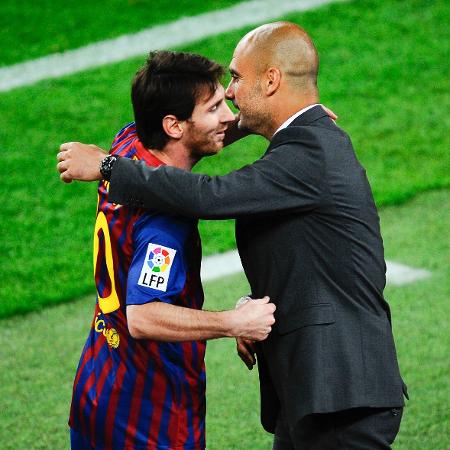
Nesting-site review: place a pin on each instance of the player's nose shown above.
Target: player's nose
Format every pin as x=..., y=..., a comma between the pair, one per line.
x=227, y=114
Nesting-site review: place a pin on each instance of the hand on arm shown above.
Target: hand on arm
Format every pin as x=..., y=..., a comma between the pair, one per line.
x=166, y=322
x=330, y=113
x=79, y=161
x=246, y=351
x=233, y=133
x=246, y=347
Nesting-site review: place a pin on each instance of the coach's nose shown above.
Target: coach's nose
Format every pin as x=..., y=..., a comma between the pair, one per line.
x=229, y=92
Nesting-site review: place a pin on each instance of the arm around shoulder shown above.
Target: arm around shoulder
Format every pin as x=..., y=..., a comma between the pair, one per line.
x=282, y=181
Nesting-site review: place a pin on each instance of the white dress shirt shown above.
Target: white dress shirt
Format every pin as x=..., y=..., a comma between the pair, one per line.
x=293, y=117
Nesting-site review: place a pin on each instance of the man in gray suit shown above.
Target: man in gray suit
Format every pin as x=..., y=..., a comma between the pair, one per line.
x=308, y=234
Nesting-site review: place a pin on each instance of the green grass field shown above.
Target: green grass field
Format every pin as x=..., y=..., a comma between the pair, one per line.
x=39, y=352
x=30, y=29
x=383, y=66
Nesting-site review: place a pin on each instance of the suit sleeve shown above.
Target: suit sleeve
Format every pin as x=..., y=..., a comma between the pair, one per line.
x=286, y=179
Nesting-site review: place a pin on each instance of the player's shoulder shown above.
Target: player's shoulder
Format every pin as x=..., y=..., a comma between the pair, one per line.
x=124, y=141
x=175, y=229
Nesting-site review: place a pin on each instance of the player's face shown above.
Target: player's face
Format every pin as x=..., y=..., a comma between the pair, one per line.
x=245, y=92
x=205, y=129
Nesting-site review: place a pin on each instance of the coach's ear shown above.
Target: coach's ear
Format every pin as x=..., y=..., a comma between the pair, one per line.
x=272, y=81
x=172, y=127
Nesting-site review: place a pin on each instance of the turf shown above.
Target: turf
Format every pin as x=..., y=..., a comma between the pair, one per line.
x=383, y=72
x=416, y=234
x=32, y=29
x=39, y=352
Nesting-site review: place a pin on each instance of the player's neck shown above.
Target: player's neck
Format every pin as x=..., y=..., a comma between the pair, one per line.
x=176, y=156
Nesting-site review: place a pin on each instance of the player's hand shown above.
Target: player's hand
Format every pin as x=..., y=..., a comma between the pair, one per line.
x=77, y=161
x=330, y=113
x=254, y=319
x=246, y=351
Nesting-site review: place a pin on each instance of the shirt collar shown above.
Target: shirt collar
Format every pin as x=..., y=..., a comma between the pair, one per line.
x=293, y=117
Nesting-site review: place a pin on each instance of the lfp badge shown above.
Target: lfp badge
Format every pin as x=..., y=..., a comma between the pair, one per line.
x=156, y=268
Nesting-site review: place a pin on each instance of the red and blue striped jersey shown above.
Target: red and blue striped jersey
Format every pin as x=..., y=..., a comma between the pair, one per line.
x=130, y=393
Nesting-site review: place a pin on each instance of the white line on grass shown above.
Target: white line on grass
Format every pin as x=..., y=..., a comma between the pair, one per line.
x=399, y=274
x=217, y=266
x=179, y=32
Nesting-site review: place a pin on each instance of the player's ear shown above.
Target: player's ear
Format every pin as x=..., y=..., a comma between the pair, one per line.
x=172, y=127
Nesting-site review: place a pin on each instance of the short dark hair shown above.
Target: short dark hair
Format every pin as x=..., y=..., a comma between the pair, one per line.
x=170, y=83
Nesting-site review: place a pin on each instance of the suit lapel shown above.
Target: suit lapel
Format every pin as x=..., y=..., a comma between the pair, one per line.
x=307, y=118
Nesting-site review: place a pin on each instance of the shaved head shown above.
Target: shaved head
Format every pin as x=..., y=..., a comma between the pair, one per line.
x=286, y=46
x=273, y=75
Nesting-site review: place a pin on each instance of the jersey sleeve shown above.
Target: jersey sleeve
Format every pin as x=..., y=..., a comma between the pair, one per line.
x=127, y=132
x=158, y=269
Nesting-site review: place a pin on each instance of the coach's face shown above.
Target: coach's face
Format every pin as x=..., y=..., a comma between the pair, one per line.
x=205, y=130
x=245, y=90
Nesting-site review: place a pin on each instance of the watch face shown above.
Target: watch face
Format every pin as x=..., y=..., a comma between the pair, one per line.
x=106, y=166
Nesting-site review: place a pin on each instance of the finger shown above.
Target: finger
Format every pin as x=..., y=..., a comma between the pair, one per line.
x=267, y=332
x=264, y=334
x=65, y=146
x=250, y=345
x=245, y=347
x=247, y=358
x=248, y=363
x=330, y=113
x=66, y=177
x=62, y=166
x=263, y=300
x=270, y=308
x=61, y=156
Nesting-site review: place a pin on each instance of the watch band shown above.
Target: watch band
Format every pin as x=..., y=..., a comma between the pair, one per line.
x=106, y=166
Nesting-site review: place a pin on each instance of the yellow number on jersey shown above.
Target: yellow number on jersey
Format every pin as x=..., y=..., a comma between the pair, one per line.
x=110, y=303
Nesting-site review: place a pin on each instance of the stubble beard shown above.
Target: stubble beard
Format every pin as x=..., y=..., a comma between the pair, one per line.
x=254, y=118
x=202, y=145
x=254, y=121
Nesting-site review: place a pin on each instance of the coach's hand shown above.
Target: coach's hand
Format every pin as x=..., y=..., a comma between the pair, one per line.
x=79, y=161
x=246, y=351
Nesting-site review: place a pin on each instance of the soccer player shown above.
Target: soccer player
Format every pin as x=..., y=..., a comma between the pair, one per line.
x=140, y=383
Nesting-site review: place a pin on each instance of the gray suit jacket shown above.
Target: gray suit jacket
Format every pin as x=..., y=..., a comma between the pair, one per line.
x=308, y=235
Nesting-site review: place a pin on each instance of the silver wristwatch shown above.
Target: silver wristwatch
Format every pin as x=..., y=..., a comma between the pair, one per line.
x=242, y=301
